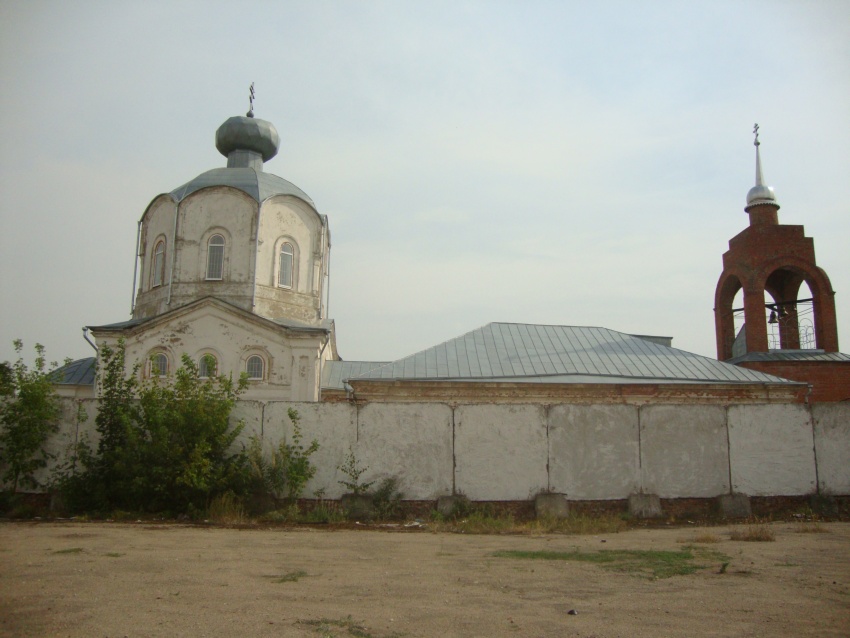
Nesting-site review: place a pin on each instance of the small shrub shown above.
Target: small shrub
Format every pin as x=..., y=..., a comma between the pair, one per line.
x=754, y=533
x=325, y=512
x=286, y=472
x=386, y=499
x=353, y=471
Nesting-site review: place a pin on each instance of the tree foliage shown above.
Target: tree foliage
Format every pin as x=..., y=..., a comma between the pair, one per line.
x=164, y=442
x=29, y=414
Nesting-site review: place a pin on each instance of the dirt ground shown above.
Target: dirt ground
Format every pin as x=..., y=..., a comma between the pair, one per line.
x=111, y=579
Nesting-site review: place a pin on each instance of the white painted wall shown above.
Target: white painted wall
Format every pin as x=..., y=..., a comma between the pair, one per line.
x=771, y=448
x=512, y=452
x=501, y=451
x=832, y=446
x=594, y=451
x=684, y=450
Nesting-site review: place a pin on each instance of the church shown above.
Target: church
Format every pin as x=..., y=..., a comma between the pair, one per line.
x=232, y=270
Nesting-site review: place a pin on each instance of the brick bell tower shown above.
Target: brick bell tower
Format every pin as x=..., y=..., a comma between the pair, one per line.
x=773, y=258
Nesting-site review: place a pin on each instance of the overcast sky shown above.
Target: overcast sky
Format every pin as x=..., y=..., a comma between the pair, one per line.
x=568, y=163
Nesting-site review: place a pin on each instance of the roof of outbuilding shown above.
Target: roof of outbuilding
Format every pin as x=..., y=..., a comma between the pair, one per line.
x=258, y=184
x=530, y=353
x=79, y=372
x=335, y=373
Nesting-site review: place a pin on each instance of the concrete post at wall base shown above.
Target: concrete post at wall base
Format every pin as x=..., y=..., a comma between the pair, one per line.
x=358, y=507
x=551, y=506
x=735, y=506
x=454, y=505
x=645, y=506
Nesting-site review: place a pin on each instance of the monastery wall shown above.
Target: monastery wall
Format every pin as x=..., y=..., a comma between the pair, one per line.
x=587, y=452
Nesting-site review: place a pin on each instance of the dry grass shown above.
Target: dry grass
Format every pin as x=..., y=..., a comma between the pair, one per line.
x=485, y=523
x=227, y=509
x=704, y=538
x=754, y=533
x=811, y=528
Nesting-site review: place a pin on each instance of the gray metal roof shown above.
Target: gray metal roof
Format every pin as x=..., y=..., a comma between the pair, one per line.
x=792, y=355
x=121, y=325
x=257, y=184
x=79, y=372
x=324, y=324
x=514, y=352
x=334, y=373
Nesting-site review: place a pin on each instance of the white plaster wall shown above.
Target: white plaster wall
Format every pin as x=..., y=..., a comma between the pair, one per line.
x=216, y=208
x=331, y=424
x=771, y=450
x=500, y=451
x=593, y=451
x=409, y=441
x=158, y=221
x=832, y=446
x=684, y=451
x=289, y=218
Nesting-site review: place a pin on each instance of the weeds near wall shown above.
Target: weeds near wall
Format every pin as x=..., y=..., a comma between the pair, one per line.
x=227, y=509
x=386, y=500
x=353, y=471
x=286, y=472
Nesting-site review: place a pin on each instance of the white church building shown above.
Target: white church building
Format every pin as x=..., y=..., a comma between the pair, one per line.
x=232, y=270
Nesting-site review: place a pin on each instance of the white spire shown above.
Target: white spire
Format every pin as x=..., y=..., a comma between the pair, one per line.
x=759, y=194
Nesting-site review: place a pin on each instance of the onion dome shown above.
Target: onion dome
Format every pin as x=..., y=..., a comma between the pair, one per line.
x=247, y=141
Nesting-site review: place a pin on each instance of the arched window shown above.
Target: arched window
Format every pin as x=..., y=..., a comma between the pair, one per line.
x=207, y=366
x=158, y=264
x=159, y=365
x=287, y=259
x=254, y=367
x=215, y=257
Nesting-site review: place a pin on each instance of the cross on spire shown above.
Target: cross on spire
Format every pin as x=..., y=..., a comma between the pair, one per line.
x=251, y=100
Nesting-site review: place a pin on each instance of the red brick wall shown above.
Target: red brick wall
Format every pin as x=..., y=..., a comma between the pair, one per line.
x=830, y=380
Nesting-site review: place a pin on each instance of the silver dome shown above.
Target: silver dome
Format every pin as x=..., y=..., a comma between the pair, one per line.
x=242, y=133
x=761, y=194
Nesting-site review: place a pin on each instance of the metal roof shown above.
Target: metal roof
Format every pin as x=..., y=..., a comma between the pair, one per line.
x=79, y=372
x=257, y=184
x=121, y=325
x=513, y=352
x=792, y=355
x=335, y=373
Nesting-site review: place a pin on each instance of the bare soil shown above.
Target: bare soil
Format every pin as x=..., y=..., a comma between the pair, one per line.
x=143, y=579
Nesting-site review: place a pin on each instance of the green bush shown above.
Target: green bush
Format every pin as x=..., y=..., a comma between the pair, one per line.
x=386, y=500
x=29, y=414
x=286, y=472
x=353, y=471
x=165, y=443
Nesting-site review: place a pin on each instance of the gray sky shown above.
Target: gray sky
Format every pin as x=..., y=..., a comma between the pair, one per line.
x=545, y=162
